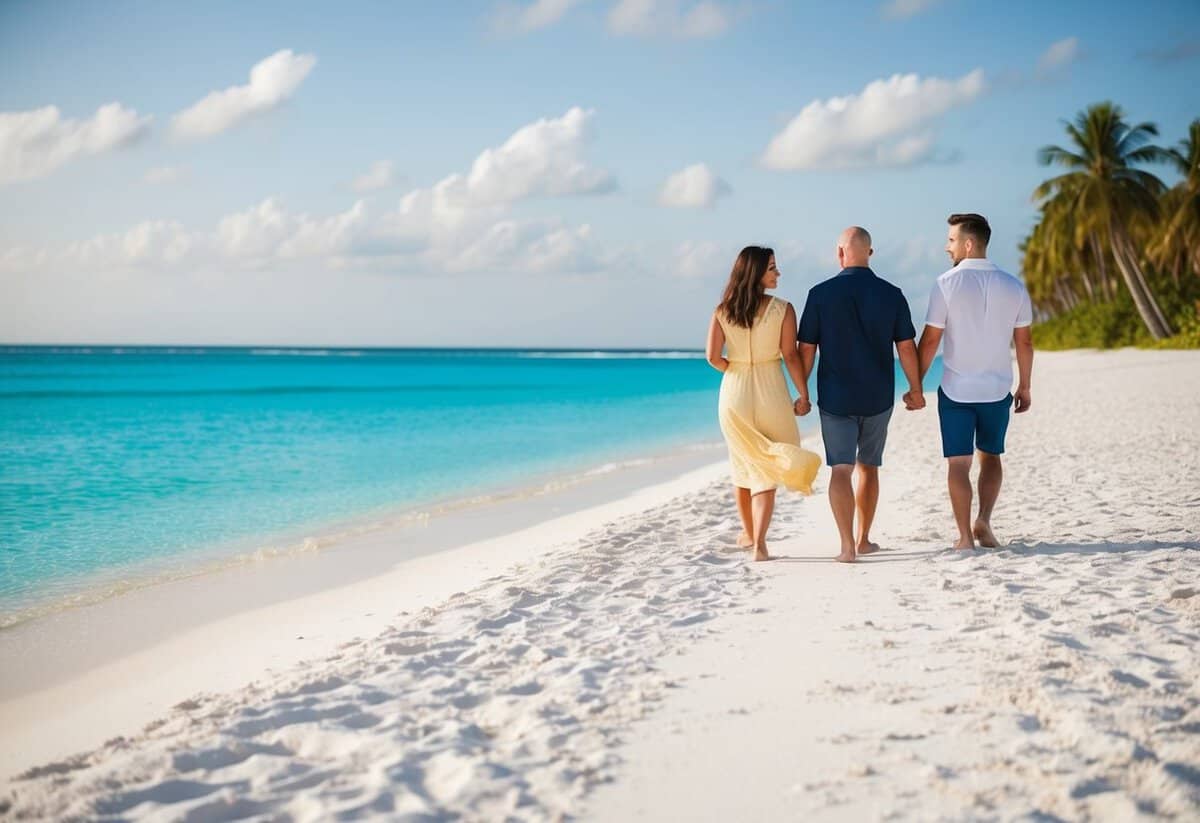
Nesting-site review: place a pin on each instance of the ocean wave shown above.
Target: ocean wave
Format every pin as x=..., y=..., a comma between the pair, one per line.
x=301, y=351
x=307, y=352
x=603, y=354
x=103, y=586
x=264, y=390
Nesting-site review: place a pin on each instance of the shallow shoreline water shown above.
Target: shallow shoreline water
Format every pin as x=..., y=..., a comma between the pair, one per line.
x=120, y=465
x=102, y=585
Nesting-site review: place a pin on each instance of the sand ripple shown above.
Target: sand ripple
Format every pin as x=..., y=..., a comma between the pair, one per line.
x=506, y=700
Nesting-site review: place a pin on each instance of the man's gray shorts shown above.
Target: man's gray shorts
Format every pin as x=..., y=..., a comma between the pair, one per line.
x=850, y=440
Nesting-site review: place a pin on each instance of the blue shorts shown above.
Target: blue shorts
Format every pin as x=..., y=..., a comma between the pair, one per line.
x=856, y=439
x=970, y=426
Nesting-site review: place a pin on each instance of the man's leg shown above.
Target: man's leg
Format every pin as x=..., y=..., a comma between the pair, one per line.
x=866, y=498
x=872, y=437
x=959, y=480
x=992, y=427
x=991, y=475
x=841, y=444
x=762, y=507
x=746, y=538
x=957, y=422
x=841, y=500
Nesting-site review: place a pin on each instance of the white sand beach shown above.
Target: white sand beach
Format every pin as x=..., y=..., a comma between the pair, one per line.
x=625, y=661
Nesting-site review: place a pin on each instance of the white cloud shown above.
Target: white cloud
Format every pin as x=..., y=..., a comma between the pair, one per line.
x=563, y=249
x=381, y=175
x=334, y=236
x=895, y=9
x=697, y=259
x=671, y=18
x=462, y=223
x=427, y=215
x=534, y=246
x=262, y=235
x=36, y=142
x=696, y=186
x=267, y=236
x=461, y=219
x=268, y=232
x=272, y=81
x=1059, y=54
x=164, y=175
x=888, y=123
x=149, y=243
x=512, y=18
x=254, y=233
x=541, y=159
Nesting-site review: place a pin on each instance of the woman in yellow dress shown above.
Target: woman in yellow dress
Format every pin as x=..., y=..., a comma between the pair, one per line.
x=757, y=415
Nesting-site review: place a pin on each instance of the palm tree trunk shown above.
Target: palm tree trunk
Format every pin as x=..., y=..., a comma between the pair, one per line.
x=1135, y=281
x=1088, y=288
x=1069, y=293
x=1102, y=267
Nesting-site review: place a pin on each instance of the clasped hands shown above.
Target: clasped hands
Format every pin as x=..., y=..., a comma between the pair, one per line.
x=914, y=400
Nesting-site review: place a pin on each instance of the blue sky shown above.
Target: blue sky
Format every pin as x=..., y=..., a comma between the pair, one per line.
x=564, y=122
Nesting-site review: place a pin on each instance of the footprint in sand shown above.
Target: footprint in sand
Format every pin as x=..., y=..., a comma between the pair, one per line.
x=1035, y=612
x=1128, y=679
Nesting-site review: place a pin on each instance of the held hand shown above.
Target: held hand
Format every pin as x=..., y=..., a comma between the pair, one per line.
x=1022, y=401
x=801, y=407
x=914, y=400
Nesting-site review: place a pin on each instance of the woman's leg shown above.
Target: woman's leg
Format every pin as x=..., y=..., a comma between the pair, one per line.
x=762, y=506
x=746, y=539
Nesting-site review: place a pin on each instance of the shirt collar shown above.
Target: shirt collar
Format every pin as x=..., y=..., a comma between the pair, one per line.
x=975, y=263
x=855, y=270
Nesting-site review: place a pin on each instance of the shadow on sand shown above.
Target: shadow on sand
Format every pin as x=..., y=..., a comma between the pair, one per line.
x=1051, y=549
x=881, y=556
x=1016, y=548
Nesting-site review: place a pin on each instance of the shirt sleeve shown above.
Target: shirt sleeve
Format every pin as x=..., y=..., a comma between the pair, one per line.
x=936, y=316
x=810, y=323
x=1024, y=312
x=904, y=326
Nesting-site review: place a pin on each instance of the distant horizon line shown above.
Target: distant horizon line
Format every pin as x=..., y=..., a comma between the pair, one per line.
x=288, y=347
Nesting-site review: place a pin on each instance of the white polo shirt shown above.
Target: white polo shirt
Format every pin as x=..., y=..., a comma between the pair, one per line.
x=979, y=306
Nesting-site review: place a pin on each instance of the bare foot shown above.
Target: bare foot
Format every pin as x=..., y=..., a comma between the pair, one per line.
x=983, y=533
x=760, y=552
x=846, y=557
x=964, y=543
x=867, y=548
x=745, y=541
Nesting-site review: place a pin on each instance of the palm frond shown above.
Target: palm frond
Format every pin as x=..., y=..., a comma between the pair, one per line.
x=1057, y=155
x=1064, y=184
x=1140, y=179
x=1149, y=154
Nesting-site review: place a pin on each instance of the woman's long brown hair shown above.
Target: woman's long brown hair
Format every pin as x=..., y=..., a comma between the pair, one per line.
x=745, y=289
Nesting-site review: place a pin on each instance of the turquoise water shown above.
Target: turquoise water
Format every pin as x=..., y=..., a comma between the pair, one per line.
x=112, y=459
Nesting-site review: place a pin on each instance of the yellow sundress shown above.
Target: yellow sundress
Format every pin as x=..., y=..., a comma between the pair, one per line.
x=755, y=409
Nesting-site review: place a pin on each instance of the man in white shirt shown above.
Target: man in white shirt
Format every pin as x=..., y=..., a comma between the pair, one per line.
x=977, y=310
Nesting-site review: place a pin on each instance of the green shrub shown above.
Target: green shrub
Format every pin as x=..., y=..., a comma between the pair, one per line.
x=1116, y=324
x=1093, y=326
x=1187, y=335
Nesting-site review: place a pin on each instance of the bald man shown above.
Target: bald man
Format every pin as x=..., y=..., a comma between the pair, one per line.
x=854, y=320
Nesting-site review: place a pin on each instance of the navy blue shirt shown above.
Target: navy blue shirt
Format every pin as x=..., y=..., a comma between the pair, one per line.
x=854, y=319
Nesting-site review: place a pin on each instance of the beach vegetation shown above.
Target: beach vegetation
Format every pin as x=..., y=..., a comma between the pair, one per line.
x=1114, y=257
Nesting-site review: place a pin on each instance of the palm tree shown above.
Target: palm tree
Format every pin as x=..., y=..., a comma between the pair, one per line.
x=1038, y=272
x=1178, y=241
x=1104, y=193
x=1050, y=265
